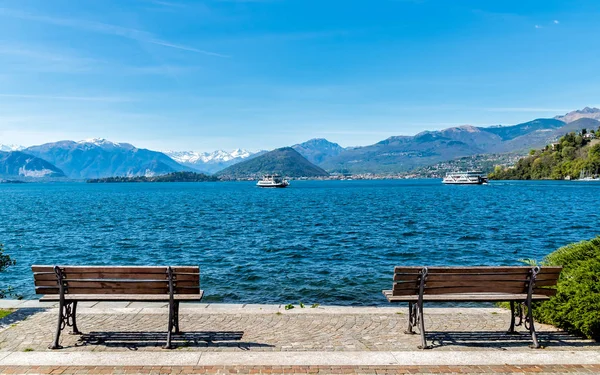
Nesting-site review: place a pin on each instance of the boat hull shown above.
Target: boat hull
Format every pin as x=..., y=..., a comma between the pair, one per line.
x=273, y=186
x=464, y=182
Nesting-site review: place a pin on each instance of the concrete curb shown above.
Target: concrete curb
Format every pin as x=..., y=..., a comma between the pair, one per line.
x=217, y=308
x=412, y=358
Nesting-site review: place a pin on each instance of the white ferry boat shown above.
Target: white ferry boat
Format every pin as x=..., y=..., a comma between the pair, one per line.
x=273, y=181
x=465, y=178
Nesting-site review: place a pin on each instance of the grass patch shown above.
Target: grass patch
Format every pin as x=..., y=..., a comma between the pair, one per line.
x=5, y=312
x=28, y=350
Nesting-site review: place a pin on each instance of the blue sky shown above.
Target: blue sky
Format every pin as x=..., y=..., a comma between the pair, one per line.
x=260, y=74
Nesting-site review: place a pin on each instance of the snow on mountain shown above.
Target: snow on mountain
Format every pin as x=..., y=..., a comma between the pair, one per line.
x=209, y=161
x=105, y=144
x=195, y=157
x=9, y=148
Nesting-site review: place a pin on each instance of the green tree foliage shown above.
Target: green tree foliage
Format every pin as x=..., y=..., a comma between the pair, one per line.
x=576, y=306
x=5, y=262
x=571, y=155
x=170, y=177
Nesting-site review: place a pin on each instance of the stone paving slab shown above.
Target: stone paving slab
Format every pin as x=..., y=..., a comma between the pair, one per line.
x=336, y=329
x=414, y=358
x=365, y=370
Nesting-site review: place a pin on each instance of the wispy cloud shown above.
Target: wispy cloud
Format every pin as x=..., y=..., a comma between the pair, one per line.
x=103, y=28
x=108, y=99
x=185, y=48
x=538, y=26
x=556, y=22
x=527, y=109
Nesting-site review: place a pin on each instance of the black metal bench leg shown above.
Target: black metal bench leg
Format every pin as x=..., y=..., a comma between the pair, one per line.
x=74, y=316
x=411, y=319
x=422, y=328
x=59, y=327
x=529, y=322
x=176, y=320
x=171, y=325
x=511, y=329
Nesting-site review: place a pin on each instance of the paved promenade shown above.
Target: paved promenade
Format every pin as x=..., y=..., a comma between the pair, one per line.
x=127, y=338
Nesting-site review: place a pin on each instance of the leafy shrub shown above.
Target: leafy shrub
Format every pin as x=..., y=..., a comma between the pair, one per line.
x=5, y=262
x=576, y=306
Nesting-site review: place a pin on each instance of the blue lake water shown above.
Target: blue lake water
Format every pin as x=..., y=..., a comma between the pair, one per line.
x=327, y=242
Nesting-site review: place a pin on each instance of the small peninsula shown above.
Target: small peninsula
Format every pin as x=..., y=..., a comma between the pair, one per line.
x=574, y=155
x=170, y=177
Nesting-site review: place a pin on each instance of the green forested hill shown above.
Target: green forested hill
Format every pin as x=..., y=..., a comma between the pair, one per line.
x=284, y=161
x=573, y=154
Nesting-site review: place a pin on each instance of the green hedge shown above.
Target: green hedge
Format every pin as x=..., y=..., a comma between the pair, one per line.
x=576, y=306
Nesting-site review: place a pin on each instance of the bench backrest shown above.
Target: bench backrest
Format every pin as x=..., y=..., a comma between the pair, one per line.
x=116, y=280
x=467, y=280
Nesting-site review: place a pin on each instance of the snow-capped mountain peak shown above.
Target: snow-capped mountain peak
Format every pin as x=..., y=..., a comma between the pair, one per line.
x=105, y=143
x=195, y=157
x=99, y=142
x=9, y=148
x=209, y=161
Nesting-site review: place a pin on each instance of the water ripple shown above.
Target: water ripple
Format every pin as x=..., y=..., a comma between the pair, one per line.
x=333, y=242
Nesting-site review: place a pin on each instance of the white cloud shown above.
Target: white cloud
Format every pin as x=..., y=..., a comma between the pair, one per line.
x=556, y=22
x=103, y=28
x=538, y=26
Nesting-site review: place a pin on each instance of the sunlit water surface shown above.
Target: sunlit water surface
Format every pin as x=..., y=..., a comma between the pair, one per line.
x=327, y=242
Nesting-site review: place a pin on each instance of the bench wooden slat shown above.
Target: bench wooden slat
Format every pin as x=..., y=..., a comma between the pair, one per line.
x=473, y=289
x=405, y=292
x=123, y=297
x=545, y=291
x=116, y=269
x=545, y=282
x=136, y=284
x=463, y=297
x=477, y=277
x=123, y=276
x=491, y=283
x=71, y=291
x=479, y=270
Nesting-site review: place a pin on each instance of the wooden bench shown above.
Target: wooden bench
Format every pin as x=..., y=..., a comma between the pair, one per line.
x=517, y=285
x=71, y=284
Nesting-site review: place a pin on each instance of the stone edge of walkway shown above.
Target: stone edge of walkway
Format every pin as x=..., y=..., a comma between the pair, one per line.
x=223, y=308
x=415, y=358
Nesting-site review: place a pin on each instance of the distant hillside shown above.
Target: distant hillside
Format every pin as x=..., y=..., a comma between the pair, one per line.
x=318, y=150
x=99, y=158
x=399, y=154
x=285, y=161
x=573, y=154
x=17, y=163
x=587, y=112
x=483, y=162
x=405, y=153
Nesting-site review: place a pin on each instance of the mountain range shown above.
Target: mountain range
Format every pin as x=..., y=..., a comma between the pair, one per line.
x=404, y=153
x=211, y=162
x=98, y=158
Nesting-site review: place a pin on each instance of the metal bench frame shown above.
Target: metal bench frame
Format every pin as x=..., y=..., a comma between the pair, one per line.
x=516, y=306
x=67, y=308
